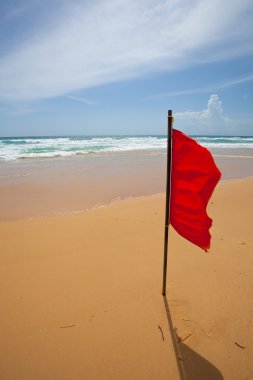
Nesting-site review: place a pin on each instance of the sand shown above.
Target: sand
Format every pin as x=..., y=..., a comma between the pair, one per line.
x=43, y=187
x=81, y=294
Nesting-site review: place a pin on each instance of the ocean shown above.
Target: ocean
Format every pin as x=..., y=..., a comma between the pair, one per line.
x=14, y=148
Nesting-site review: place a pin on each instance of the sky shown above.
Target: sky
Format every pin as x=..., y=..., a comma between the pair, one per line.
x=115, y=67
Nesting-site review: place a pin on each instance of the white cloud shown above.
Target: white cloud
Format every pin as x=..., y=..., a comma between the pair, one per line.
x=213, y=113
x=90, y=44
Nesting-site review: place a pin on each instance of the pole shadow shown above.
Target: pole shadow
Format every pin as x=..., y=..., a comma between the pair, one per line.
x=191, y=366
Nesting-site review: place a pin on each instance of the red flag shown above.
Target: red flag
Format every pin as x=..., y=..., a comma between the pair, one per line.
x=193, y=179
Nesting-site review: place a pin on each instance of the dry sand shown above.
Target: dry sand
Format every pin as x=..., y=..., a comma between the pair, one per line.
x=81, y=294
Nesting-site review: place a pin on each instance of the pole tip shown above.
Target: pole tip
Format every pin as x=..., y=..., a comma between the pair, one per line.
x=170, y=113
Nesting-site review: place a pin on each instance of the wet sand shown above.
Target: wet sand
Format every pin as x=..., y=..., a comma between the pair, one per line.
x=43, y=187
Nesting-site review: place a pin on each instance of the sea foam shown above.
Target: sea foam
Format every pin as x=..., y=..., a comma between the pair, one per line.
x=43, y=147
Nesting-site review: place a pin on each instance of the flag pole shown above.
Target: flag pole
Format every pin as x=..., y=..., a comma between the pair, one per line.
x=167, y=207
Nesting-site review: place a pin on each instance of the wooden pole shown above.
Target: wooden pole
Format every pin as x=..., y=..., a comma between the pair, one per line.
x=167, y=207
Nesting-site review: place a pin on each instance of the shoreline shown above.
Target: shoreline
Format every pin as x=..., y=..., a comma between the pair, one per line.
x=40, y=188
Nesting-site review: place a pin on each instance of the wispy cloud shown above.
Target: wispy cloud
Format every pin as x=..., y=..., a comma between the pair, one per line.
x=236, y=81
x=82, y=100
x=17, y=109
x=90, y=44
x=206, y=89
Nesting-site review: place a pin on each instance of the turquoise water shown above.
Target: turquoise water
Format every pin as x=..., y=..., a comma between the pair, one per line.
x=13, y=148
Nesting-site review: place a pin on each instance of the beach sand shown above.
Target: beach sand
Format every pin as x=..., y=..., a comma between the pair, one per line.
x=44, y=187
x=81, y=294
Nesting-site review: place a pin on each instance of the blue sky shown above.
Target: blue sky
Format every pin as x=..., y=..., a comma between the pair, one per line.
x=116, y=67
